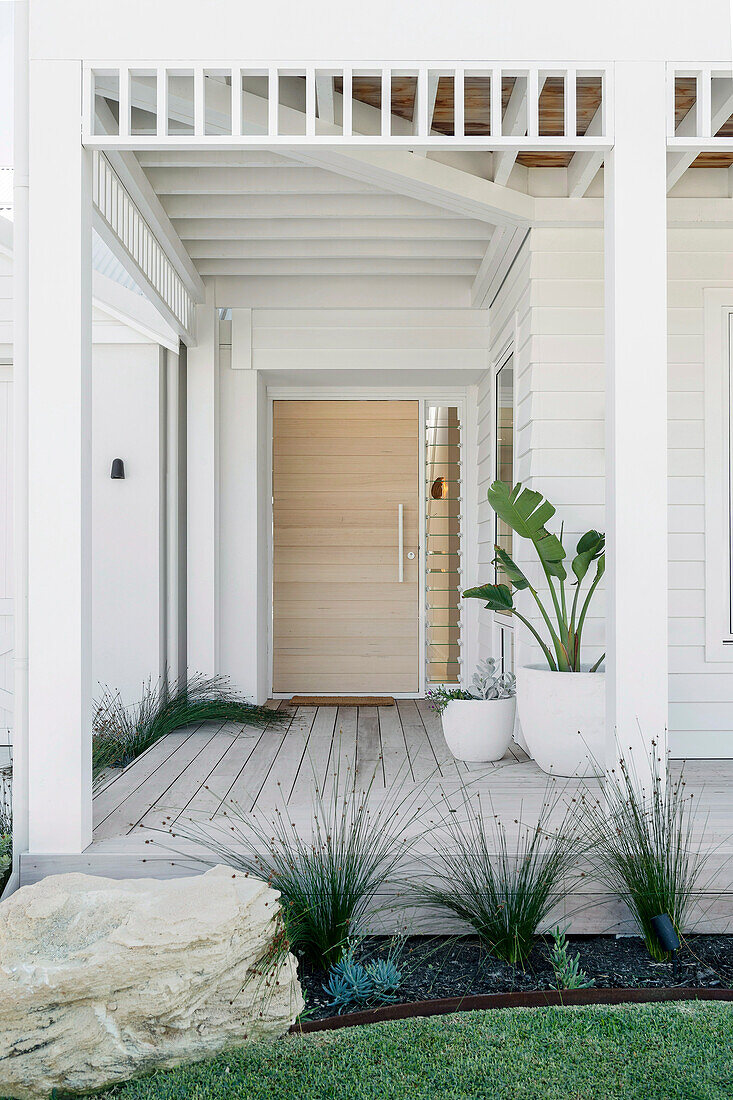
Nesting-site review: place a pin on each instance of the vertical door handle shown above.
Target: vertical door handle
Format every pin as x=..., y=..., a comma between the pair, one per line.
x=400, y=542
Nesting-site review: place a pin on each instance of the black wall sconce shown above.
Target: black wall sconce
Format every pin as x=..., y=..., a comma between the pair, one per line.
x=117, y=473
x=439, y=489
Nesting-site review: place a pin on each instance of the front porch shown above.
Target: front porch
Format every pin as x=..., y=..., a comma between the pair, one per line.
x=194, y=774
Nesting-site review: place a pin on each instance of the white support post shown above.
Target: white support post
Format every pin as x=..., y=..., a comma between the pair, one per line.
x=59, y=467
x=202, y=478
x=636, y=418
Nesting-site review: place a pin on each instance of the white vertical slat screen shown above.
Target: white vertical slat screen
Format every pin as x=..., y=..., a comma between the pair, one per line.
x=207, y=128
x=125, y=221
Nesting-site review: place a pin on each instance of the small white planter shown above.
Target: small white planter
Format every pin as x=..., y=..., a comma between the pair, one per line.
x=563, y=718
x=479, y=730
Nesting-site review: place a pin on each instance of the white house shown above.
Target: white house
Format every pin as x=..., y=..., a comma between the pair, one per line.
x=478, y=220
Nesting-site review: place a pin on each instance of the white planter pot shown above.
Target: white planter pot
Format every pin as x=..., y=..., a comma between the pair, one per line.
x=479, y=730
x=563, y=717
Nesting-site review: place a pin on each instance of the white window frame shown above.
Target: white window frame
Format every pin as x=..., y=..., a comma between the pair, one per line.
x=718, y=330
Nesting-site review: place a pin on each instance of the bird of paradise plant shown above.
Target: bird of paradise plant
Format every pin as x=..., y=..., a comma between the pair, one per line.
x=527, y=513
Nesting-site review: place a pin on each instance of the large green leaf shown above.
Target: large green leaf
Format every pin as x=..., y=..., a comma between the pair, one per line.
x=512, y=570
x=497, y=596
x=527, y=512
x=590, y=546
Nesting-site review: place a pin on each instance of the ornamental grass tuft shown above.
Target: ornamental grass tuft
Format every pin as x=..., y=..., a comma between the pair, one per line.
x=330, y=869
x=120, y=732
x=641, y=843
x=503, y=886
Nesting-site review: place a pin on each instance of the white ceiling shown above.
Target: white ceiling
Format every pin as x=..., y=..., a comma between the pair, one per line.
x=261, y=213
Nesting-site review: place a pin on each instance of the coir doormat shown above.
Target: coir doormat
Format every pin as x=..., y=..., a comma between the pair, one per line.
x=342, y=701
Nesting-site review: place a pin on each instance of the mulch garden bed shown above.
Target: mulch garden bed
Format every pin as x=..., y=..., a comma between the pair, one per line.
x=451, y=966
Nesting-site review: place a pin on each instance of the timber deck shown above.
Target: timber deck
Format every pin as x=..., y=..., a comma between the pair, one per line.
x=197, y=775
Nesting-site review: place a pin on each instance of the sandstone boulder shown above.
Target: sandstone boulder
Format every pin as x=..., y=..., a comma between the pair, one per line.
x=102, y=980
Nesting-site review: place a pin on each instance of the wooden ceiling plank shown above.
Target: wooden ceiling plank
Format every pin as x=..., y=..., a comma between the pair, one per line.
x=337, y=228
x=377, y=205
x=339, y=266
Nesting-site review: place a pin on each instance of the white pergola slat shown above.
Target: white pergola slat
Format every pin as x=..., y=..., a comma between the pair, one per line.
x=222, y=130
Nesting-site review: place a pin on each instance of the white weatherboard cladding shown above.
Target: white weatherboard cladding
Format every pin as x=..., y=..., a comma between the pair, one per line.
x=700, y=691
x=555, y=295
x=551, y=307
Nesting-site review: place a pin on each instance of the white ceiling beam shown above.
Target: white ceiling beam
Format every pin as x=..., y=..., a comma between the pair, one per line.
x=513, y=123
x=583, y=168
x=132, y=309
x=274, y=229
x=498, y=258
x=133, y=178
x=722, y=109
x=428, y=181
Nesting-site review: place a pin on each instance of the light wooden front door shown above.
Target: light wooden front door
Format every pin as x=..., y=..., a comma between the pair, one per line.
x=346, y=479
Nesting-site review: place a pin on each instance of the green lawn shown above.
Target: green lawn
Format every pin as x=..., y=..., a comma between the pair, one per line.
x=649, y=1052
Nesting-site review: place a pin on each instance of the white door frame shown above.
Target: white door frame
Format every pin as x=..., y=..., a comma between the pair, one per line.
x=454, y=396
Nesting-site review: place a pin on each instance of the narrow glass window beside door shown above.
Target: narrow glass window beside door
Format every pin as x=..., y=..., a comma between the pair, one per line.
x=443, y=543
x=504, y=434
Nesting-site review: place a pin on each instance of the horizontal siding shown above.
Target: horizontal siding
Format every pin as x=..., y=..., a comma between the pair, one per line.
x=701, y=692
x=562, y=403
x=343, y=339
x=509, y=312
